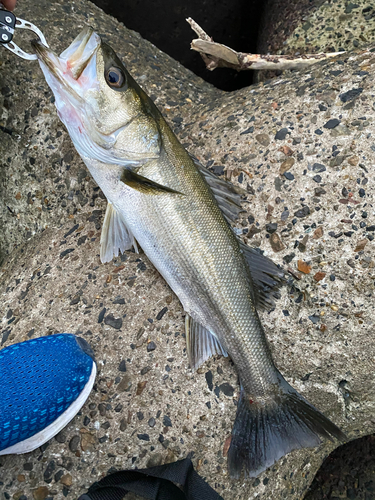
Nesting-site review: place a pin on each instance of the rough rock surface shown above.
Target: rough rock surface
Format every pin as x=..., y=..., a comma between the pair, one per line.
x=314, y=215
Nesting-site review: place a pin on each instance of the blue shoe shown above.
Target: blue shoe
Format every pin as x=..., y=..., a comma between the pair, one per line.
x=43, y=384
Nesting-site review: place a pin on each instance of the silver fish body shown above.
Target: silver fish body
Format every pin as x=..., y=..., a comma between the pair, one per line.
x=161, y=198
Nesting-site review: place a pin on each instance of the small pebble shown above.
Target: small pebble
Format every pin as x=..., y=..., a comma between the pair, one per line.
x=151, y=346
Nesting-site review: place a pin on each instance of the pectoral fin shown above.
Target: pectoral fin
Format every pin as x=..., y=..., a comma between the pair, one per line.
x=115, y=235
x=143, y=184
x=201, y=344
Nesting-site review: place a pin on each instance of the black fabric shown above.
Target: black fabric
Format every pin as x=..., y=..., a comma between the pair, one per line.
x=155, y=483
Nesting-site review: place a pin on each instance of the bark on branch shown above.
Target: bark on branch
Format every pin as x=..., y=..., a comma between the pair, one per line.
x=215, y=55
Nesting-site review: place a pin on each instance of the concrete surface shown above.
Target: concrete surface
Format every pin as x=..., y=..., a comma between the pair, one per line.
x=311, y=176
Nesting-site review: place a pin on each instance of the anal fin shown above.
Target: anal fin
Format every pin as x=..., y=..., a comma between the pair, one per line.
x=115, y=235
x=201, y=344
x=266, y=276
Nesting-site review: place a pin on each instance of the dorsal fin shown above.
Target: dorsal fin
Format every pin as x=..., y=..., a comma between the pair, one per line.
x=266, y=276
x=228, y=197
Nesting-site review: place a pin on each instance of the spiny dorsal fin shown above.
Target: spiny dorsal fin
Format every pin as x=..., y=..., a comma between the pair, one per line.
x=144, y=185
x=201, y=344
x=228, y=197
x=266, y=276
x=115, y=235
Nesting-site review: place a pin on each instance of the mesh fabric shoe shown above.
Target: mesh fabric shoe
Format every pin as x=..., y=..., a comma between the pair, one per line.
x=43, y=384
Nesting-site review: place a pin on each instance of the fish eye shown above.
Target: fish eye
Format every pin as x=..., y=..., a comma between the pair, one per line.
x=115, y=77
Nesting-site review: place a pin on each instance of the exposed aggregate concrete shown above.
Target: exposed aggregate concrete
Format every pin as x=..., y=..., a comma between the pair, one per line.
x=304, y=148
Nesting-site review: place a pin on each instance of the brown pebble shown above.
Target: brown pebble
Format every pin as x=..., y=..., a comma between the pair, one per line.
x=361, y=245
x=323, y=328
x=227, y=445
x=353, y=160
x=276, y=243
x=319, y=276
x=286, y=150
x=118, y=269
x=170, y=457
x=109, y=278
x=88, y=440
x=21, y=478
x=155, y=459
x=263, y=139
x=286, y=165
x=303, y=267
x=66, y=480
x=40, y=493
x=140, y=387
x=169, y=299
x=18, y=196
x=125, y=384
x=318, y=233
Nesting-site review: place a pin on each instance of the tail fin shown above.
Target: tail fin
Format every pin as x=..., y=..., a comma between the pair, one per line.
x=263, y=433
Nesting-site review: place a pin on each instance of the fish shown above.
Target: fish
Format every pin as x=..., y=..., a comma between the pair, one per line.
x=163, y=199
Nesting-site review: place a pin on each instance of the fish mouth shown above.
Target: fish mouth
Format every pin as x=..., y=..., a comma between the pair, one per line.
x=73, y=62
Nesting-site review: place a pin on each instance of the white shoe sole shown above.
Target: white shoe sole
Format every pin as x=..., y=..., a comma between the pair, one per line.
x=46, y=434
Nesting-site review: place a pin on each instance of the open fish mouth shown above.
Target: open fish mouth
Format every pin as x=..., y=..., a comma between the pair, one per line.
x=75, y=68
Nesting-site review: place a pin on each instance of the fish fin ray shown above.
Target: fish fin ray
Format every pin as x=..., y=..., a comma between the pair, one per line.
x=263, y=433
x=115, y=235
x=144, y=185
x=228, y=197
x=201, y=343
x=267, y=277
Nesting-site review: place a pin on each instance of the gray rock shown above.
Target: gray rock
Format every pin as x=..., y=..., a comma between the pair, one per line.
x=47, y=173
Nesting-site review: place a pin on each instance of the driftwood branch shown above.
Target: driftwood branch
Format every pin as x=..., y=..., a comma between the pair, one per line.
x=215, y=55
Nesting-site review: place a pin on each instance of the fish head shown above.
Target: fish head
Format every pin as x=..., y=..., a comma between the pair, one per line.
x=108, y=116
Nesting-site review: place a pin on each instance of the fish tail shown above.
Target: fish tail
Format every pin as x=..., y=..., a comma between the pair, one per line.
x=263, y=433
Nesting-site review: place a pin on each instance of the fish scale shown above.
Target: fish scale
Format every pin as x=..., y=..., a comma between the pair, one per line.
x=162, y=198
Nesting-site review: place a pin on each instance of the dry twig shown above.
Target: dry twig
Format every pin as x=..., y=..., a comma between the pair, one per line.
x=216, y=55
